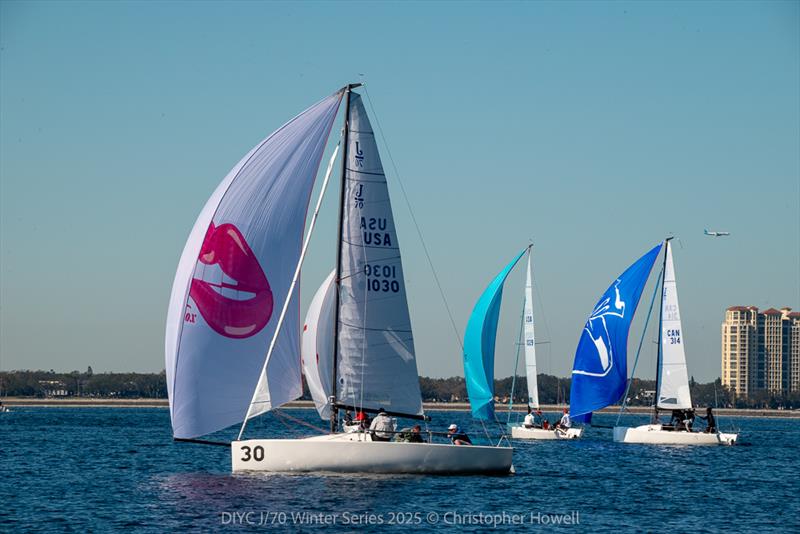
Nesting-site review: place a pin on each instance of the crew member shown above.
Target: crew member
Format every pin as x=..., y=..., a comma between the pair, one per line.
x=415, y=436
x=565, y=422
x=362, y=419
x=457, y=437
x=528, y=421
x=711, y=421
x=381, y=427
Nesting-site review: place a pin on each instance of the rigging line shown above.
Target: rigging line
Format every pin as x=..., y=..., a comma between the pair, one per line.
x=285, y=415
x=503, y=429
x=641, y=340
x=414, y=220
x=282, y=421
x=516, y=364
x=485, y=430
x=546, y=326
x=364, y=339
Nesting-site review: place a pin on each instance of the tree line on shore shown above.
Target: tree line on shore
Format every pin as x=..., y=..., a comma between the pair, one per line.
x=552, y=389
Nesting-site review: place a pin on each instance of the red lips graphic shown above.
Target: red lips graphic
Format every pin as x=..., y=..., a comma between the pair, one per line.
x=232, y=317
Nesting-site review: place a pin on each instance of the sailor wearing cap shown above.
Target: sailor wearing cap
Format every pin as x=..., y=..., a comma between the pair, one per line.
x=457, y=437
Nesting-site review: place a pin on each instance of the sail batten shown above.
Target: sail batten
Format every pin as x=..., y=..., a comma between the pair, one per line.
x=672, y=390
x=479, y=345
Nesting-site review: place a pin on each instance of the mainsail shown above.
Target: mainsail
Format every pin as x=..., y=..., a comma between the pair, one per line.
x=317, y=345
x=233, y=275
x=530, y=341
x=673, y=380
x=600, y=370
x=376, y=365
x=479, y=343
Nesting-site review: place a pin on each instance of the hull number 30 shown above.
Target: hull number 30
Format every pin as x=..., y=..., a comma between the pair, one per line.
x=252, y=453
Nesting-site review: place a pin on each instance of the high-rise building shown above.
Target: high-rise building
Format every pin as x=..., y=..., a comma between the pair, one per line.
x=761, y=350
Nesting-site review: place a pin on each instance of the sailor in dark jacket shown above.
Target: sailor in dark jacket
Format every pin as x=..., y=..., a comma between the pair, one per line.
x=457, y=437
x=710, y=420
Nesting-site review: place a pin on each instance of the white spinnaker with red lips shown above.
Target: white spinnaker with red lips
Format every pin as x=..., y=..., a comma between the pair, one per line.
x=317, y=345
x=233, y=275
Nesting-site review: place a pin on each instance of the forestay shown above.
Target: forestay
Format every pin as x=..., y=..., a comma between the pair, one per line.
x=673, y=379
x=530, y=341
x=317, y=345
x=599, y=373
x=377, y=366
x=479, y=344
x=232, y=277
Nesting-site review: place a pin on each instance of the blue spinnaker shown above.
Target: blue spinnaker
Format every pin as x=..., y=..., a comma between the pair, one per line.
x=479, y=341
x=600, y=371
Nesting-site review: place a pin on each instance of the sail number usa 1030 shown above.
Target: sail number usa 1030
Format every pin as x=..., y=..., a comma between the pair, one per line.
x=381, y=278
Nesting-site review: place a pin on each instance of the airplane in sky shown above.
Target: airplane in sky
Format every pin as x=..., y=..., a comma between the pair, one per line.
x=716, y=234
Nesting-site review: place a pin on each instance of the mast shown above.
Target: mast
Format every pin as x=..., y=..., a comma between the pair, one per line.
x=338, y=276
x=660, y=329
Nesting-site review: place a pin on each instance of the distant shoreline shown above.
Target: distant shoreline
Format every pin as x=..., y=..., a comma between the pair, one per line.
x=429, y=406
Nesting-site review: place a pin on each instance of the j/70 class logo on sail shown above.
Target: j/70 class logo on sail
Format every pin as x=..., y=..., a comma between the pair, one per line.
x=232, y=293
x=597, y=329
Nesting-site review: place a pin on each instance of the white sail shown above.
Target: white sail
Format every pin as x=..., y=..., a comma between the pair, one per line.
x=673, y=386
x=530, y=342
x=233, y=275
x=376, y=363
x=317, y=345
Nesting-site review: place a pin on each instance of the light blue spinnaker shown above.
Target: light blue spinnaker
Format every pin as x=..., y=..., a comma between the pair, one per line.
x=479, y=341
x=600, y=371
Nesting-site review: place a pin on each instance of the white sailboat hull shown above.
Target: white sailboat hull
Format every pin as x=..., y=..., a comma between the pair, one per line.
x=521, y=432
x=656, y=435
x=356, y=453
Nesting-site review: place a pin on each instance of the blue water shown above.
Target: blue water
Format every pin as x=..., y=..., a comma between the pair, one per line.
x=101, y=470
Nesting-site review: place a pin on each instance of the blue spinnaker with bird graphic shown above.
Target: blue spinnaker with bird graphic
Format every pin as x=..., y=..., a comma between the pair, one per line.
x=600, y=373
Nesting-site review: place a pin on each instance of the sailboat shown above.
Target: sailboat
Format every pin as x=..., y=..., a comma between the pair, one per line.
x=233, y=335
x=672, y=377
x=479, y=344
x=521, y=431
x=599, y=374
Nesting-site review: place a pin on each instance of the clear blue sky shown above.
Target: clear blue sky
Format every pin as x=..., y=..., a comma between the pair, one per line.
x=594, y=128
